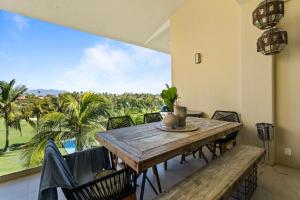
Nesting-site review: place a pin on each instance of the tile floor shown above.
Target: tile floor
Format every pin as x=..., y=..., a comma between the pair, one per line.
x=274, y=183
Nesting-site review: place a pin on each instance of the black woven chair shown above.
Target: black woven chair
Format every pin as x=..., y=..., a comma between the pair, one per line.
x=116, y=123
x=118, y=185
x=111, y=184
x=119, y=122
x=154, y=117
x=222, y=143
x=200, y=154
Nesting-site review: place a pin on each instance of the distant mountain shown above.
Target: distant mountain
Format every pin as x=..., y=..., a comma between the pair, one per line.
x=45, y=92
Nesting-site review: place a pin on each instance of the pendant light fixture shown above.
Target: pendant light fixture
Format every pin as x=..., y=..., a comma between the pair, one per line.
x=268, y=13
x=272, y=41
x=266, y=16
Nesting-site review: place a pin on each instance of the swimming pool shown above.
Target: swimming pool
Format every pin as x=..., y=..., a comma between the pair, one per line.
x=70, y=145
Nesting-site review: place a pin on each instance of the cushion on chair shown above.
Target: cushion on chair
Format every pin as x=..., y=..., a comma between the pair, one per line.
x=104, y=173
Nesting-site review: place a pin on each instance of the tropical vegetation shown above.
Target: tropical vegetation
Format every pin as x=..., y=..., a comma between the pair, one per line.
x=66, y=116
x=9, y=110
x=79, y=118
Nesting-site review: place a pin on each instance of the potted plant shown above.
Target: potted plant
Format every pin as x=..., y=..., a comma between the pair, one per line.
x=169, y=96
x=177, y=114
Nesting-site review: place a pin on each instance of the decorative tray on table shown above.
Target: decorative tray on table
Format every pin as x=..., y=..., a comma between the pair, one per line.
x=188, y=128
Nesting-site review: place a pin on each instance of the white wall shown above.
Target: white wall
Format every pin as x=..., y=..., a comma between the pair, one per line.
x=233, y=76
x=288, y=89
x=205, y=26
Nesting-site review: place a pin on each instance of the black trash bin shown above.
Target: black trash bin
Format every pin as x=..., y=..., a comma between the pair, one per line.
x=265, y=131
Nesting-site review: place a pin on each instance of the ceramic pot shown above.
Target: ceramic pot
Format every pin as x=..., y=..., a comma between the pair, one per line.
x=170, y=121
x=181, y=113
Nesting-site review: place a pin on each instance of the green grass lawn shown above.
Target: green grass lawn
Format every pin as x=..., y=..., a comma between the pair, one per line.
x=11, y=161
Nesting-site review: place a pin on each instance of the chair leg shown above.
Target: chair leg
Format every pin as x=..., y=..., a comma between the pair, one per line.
x=116, y=162
x=112, y=160
x=155, y=172
x=234, y=143
x=200, y=152
x=215, y=149
x=194, y=153
x=224, y=147
x=182, y=160
x=221, y=149
x=166, y=165
x=202, y=155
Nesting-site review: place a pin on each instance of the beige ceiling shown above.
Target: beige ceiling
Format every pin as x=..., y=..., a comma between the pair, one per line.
x=141, y=22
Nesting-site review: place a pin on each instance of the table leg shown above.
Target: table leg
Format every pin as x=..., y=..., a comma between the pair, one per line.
x=145, y=177
x=155, y=172
x=151, y=185
x=143, y=184
x=212, y=151
x=166, y=165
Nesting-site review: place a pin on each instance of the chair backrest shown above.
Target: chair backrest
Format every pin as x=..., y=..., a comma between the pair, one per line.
x=55, y=173
x=119, y=122
x=228, y=116
x=84, y=164
x=152, y=117
x=115, y=186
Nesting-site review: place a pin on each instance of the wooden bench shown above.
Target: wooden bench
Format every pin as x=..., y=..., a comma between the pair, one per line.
x=235, y=170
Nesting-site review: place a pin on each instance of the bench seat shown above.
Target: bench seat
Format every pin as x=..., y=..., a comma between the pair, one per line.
x=218, y=179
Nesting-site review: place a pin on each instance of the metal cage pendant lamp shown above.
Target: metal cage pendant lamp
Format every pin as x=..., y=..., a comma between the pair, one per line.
x=266, y=16
x=272, y=41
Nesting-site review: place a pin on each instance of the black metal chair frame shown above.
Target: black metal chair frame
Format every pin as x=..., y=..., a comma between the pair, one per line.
x=114, y=186
x=126, y=121
x=115, y=159
x=233, y=113
x=200, y=154
x=152, y=117
x=230, y=117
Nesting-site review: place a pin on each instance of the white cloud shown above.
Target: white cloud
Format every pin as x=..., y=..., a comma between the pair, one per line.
x=17, y=24
x=115, y=69
x=20, y=22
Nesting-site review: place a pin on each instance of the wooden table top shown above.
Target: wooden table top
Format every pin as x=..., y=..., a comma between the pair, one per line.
x=144, y=146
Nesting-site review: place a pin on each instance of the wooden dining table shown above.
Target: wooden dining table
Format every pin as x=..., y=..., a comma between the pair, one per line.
x=144, y=146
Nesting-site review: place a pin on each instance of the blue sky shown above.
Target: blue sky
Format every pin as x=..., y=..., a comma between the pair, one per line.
x=47, y=56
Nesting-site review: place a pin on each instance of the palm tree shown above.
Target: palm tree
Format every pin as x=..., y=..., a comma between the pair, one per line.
x=57, y=102
x=79, y=119
x=37, y=107
x=8, y=108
